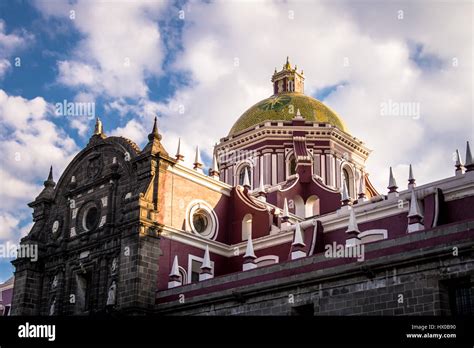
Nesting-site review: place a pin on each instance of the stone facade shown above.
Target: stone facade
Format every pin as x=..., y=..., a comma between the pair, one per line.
x=98, y=242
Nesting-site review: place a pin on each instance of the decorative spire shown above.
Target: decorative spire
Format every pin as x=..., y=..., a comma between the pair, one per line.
x=414, y=207
x=174, y=268
x=298, y=115
x=249, y=252
x=392, y=184
x=174, y=277
x=206, y=263
x=154, y=132
x=361, y=194
x=469, y=165
x=298, y=237
x=246, y=183
x=459, y=166
x=414, y=214
x=298, y=245
x=50, y=182
x=352, y=231
x=411, y=178
x=179, y=156
x=287, y=65
x=345, y=199
x=286, y=214
x=197, y=161
x=206, y=268
x=214, y=171
x=249, y=256
x=98, y=127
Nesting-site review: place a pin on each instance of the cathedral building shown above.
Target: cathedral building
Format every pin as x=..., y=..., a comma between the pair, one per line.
x=286, y=221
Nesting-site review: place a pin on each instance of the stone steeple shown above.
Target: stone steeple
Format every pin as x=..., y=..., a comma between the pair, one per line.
x=154, y=145
x=411, y=178
x=49, y=185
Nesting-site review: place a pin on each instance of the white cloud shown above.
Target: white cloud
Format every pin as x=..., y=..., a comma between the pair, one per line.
x=132, y=130
x=319, y=39
x=121, y=46
x=30, y=143
x=4, y=66
x=230, y=50
x=8, y=223
x=18, y=112
x=9, y=44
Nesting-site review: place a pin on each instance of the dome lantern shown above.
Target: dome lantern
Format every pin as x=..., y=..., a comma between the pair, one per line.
x=288, y=80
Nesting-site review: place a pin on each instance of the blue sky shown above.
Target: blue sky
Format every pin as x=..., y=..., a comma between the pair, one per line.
x=199, y=65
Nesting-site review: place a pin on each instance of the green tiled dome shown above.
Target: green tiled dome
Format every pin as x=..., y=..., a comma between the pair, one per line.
x=283, y=107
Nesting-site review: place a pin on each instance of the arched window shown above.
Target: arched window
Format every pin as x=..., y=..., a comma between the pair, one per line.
x=312, y=206
x=348, y=177
x=291, y=167
x=246, y=226
x=242, y=174
x=299, y=206
x=183, y=274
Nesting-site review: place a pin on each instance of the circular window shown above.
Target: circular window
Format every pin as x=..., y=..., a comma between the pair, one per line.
x=203, y=220
x=200, y=221
x=91, y=217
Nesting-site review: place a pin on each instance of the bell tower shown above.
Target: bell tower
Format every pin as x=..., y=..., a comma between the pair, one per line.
x=288, y=80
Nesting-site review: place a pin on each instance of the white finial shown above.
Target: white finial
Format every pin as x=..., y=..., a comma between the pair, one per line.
x=459, y=165
x=298, y=114
x=414, y=207
x=197, y=157
x=392, y=184
x=298, y=238
x=175, y=267
x=214, y=171
x=179, y=156
x=249, y=252
x=246, y=178
x=197, y=160
x=215, y=165
x=285, y=209
x=206, y=263
x=352, y=226
x=468, y=155
x=458, y=159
